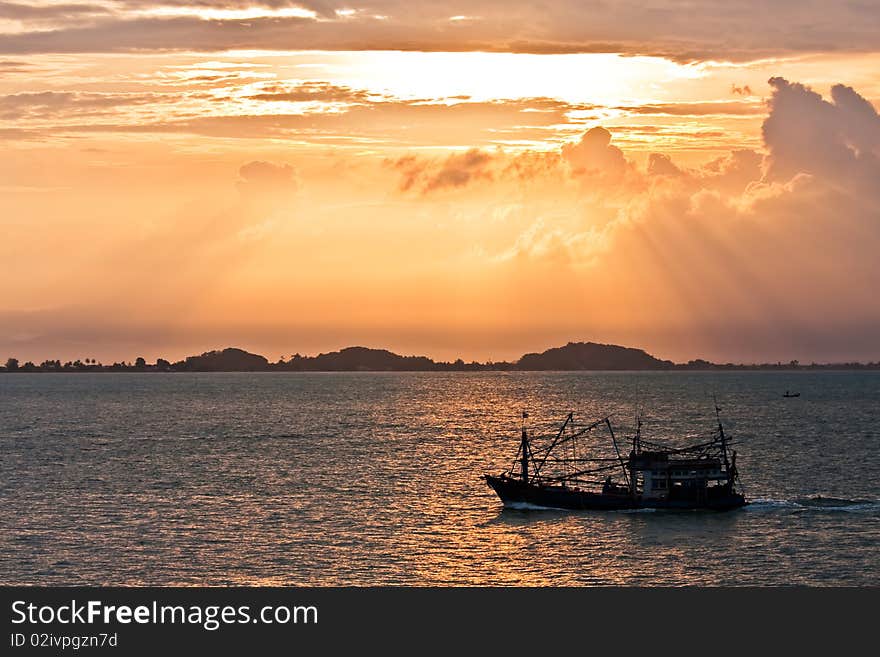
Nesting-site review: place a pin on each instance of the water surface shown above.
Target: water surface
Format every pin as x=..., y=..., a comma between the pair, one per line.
x=363, y=478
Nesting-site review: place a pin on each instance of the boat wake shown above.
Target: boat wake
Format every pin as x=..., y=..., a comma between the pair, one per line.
x=815, y=503
x=525, y=506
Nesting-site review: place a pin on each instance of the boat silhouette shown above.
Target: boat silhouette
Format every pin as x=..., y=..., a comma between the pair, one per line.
x=555, y=475
x=791, y=394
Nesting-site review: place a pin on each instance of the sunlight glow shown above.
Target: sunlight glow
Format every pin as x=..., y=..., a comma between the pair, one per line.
x=594, y=78
x=208, y=13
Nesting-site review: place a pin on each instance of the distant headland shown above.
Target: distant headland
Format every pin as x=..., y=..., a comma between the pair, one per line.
x=575, y=356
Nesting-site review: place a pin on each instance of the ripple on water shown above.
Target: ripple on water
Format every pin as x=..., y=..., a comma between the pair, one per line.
x=358, y=479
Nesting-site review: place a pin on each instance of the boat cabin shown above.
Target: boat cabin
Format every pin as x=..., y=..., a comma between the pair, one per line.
x=659, y=477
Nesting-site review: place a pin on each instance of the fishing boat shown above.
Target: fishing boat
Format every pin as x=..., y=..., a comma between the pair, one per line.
x=567, y=472
x=788, y=393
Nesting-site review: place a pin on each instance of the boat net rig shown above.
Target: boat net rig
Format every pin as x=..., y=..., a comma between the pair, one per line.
x=573, y=458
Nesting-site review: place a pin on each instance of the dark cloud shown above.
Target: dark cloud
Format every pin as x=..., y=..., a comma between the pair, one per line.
x=837, y=140
x=323, y=92
x=753, y=29
x=28, y=12
x=458, y=170
x=532, y=165
x=717, y=108
x=430, y=175
x=411, y=170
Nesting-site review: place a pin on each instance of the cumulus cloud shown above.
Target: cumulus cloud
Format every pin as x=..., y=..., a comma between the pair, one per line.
x=660, y=164
x=734, y=171
x=545, y=244
x=259, y=177
x=528, y=166
x=836, y=140
x=771, y=254
x=594, y=154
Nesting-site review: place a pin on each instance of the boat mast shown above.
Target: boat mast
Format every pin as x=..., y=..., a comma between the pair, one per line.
x=524, y=448
x=723, y=440
x=637, y=439
x=619, y=457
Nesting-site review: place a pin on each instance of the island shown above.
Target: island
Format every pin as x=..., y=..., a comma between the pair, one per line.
x=574, y=356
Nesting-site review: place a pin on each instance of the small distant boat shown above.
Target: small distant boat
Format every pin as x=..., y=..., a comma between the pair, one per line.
x=565, y=473
x=788, y=393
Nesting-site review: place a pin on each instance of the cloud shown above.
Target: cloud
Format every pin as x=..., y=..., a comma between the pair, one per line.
x=53, y=12
x=19, y=134
x=386, y=120
x=55, y=103
x=837, y=141
x=768, y=253
x=660, y=164
x=544, y=245
x=431, y=175
x=313, y=92
x=739, y=256
x=10, y=66
x=753, y=29
x=733, y=172
x=594, y=154
x=458, y=170
x=711, y=108
x=259, y=178
x=529, y=166
x=323, y=8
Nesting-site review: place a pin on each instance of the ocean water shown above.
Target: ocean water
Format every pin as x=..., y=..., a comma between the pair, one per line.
x=373, y=479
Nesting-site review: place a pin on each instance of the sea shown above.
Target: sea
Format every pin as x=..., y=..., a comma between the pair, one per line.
x=362, y=479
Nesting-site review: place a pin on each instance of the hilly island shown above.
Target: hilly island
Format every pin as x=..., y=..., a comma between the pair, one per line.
x=574, y=356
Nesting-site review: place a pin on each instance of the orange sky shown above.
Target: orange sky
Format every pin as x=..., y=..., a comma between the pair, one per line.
x=473, y=179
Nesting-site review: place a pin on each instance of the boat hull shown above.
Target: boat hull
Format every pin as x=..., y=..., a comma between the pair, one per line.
x=515, y=493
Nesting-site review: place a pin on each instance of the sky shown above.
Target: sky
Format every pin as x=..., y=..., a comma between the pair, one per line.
x=475, y=179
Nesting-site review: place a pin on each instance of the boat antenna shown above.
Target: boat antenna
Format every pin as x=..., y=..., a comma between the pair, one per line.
x=722, y=436
x=637, y=439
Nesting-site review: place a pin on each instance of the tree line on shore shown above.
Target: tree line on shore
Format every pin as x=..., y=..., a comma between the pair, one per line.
x=575, y=356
